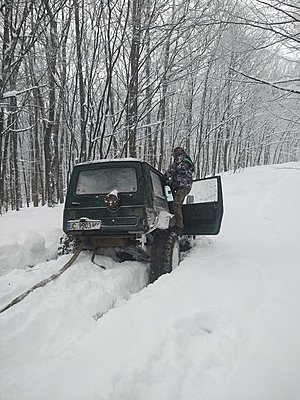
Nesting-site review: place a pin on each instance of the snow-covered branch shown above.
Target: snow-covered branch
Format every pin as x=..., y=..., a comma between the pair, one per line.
x=272, y=84
x=15, y=93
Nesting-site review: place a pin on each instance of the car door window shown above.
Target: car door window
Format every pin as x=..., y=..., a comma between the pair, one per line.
x=157, y=186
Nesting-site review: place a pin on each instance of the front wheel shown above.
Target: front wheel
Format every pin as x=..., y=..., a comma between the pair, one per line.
x=165, y=254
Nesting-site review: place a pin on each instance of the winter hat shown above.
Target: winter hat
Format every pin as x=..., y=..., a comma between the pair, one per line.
x=177, y=151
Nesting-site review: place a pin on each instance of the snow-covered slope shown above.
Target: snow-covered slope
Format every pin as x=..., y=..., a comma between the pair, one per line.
x=224, y=325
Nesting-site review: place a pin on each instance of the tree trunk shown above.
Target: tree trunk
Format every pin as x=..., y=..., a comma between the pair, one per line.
x=78, y=30
x=50, y=139
x=133, y=87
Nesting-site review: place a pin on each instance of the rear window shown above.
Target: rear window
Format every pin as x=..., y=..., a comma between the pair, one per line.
x=104, y=180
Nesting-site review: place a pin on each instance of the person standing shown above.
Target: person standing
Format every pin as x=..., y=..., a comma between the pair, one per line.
x=179, y=177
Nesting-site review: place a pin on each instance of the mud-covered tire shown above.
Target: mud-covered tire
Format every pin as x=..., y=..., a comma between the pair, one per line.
x=165, y=254
x=186, y=243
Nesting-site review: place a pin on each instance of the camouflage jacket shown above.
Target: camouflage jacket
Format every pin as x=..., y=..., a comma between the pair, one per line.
x=180, y=173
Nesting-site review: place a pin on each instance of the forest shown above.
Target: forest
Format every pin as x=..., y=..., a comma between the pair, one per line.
x=93, y=79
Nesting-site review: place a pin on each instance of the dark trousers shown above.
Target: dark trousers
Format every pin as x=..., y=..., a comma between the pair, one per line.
x=179, y=197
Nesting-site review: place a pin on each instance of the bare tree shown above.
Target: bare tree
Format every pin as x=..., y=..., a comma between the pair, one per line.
x=85, y=80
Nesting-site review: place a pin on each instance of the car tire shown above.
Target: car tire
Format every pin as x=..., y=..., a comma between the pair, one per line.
x=186, y=243
x=165, y=254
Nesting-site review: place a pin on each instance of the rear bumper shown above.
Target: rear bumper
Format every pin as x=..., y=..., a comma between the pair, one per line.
x=112, y=224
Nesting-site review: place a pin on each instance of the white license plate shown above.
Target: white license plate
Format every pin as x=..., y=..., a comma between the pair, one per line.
x=83, y=225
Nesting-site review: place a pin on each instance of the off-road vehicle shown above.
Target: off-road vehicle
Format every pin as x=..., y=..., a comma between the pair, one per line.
x=124, y=205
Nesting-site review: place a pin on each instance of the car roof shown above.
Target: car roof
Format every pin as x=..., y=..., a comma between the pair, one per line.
x=116, y=160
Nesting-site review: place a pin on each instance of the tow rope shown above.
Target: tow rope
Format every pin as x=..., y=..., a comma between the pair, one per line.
x=44, y=282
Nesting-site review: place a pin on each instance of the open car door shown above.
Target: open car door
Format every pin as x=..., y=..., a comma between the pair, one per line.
x=203, y=208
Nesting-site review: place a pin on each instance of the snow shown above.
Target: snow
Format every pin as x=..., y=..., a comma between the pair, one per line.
x=29, y=237
x=224, y=325
x=108, y=160
x=12, y=93
x=163, y=220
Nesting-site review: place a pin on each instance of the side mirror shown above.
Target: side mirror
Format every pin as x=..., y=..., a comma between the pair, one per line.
x=168, y=193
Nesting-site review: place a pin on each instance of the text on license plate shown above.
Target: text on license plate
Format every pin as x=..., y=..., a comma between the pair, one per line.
x=83, y=225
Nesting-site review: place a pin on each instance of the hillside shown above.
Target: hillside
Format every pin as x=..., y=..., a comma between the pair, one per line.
x=223, y=326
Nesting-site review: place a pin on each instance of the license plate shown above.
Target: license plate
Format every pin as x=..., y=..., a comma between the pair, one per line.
x=83, y=225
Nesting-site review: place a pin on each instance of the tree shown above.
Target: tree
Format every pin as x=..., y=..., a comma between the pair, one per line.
x=86, y=80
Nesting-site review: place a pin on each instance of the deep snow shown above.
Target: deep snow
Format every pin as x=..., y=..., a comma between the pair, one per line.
x=223, y=326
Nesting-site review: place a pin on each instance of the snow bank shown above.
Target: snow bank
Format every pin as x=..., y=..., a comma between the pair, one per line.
x=29, y=236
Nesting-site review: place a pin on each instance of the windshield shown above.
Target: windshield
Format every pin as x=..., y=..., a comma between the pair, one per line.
x=104, y=180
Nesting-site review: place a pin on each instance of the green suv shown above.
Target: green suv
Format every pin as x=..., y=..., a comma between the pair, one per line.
x=125, y=205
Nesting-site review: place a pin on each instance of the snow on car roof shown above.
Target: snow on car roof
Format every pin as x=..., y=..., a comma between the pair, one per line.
x=110, y=160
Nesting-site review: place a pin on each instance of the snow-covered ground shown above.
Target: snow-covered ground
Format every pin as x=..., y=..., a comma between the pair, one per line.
x=223, y=326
